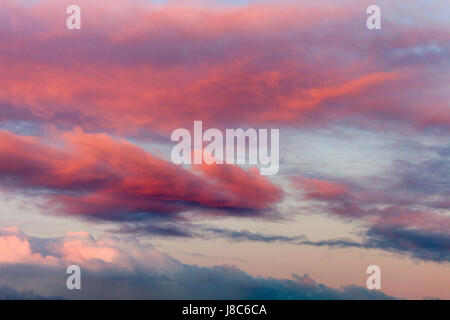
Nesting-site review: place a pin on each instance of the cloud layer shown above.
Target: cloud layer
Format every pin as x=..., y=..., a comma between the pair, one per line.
x=140, y=273
x=95, y=176
x=261, y=64
x=83, y=114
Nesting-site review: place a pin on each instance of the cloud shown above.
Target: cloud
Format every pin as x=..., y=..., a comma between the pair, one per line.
x=95, y=176
x=320, y=189
x=420, y=244
x=396, y=219
x=8, y=293
x=417, y=243
x=266, y=64
x=243, y=235
x=137, y=71
x=141, y=272
x=430, y=176
x=399, y=198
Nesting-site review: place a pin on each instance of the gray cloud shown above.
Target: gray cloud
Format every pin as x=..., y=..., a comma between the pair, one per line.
x=8, y=293
x=183, y=282
x=126, y=269
x=418, y=243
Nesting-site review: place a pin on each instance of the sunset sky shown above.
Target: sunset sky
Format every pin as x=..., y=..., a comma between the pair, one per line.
x=86, y=175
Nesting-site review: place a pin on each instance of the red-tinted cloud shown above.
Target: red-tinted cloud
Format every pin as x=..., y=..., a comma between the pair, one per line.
x=94, y=175
x=320, y=189
x=145, y=70
x=394, y=223
x=373, y=206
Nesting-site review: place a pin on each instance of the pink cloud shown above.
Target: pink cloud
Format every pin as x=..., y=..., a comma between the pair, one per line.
x=372, y=206
x=93, y=175
x=15, y=250
x=320, y=189
x=127, y=70
x=76, y=248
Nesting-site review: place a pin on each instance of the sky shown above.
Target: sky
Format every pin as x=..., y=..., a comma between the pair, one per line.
x=86, y=175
